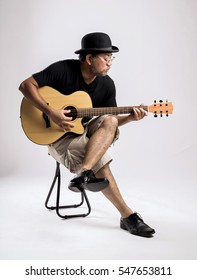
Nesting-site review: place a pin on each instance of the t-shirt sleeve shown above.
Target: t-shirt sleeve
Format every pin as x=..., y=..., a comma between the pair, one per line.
x=50, y=76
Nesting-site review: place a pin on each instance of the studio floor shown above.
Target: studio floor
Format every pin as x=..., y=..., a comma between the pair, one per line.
x=29, y=231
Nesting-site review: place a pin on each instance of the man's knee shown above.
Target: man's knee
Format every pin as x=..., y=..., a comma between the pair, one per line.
x=111, y=122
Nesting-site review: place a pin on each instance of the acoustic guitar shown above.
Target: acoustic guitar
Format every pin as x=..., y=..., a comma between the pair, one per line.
x=41, y=130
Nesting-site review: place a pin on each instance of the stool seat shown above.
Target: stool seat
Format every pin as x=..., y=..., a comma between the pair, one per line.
x=58, y=207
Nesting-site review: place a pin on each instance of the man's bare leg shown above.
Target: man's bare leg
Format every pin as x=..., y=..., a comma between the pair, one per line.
x=129, y=221
x=112, y=192
x=99, y=142
x=96, y=147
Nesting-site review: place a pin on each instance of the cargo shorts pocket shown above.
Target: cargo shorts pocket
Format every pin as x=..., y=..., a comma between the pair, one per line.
x=75, y=153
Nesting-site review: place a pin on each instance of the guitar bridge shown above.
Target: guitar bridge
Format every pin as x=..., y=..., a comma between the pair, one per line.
x=46, y=119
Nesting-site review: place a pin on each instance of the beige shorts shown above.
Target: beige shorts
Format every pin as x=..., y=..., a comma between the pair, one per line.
x=70, y=150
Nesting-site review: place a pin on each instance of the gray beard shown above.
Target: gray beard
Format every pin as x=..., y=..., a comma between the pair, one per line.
x=93, y=70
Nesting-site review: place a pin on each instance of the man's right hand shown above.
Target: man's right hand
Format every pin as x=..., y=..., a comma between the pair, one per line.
x=59, y=117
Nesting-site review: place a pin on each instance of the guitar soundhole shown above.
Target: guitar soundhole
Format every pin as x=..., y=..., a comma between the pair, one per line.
x=73, y=112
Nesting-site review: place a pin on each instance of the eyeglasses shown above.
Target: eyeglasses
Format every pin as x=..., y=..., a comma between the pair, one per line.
x=106, y=59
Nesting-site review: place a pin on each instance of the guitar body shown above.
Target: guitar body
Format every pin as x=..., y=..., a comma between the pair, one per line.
x=34, y=124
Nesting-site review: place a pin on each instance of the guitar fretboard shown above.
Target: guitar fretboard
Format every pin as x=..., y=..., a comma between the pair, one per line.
x=91, y=112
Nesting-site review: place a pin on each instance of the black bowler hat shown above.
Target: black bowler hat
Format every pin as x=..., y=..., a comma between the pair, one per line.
x=96, y=42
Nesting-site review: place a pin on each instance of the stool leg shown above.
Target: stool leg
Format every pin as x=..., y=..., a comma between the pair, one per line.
x=57, y=178
x=57, y=173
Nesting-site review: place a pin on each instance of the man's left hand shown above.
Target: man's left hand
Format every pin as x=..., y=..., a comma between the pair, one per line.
x=138, y=114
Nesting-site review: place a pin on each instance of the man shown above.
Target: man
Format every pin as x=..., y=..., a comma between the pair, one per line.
x=86, y=155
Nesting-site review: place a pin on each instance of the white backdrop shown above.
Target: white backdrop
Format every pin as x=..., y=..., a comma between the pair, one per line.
x=157, y=60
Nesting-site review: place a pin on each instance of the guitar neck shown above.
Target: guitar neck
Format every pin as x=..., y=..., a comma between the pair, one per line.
x=91, y=112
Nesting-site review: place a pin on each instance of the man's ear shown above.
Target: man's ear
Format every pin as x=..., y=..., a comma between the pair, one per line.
x=89, y=59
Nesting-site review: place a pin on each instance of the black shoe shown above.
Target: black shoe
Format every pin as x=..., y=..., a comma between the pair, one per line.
x=135, y=225
x=88, y=181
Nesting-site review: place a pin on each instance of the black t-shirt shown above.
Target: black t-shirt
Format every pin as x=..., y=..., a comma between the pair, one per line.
x=65, y=76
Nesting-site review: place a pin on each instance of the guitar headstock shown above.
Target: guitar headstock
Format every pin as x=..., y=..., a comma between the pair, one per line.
x=161, y=108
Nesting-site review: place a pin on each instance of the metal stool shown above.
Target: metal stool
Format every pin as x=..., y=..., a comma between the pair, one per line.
x=57, y=207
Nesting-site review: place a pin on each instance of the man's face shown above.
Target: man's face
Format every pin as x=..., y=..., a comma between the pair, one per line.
x=101, y=64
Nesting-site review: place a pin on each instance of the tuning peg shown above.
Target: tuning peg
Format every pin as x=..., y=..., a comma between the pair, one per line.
x=166, y=113
x=155, y=114
x=155, y=102
x=161, y=114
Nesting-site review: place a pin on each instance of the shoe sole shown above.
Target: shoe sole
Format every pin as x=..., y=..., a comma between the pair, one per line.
x=143, y=234
x=74, y=187
x=93, y=187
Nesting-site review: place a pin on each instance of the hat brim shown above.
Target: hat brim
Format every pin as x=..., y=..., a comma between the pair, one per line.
x=112, y=49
